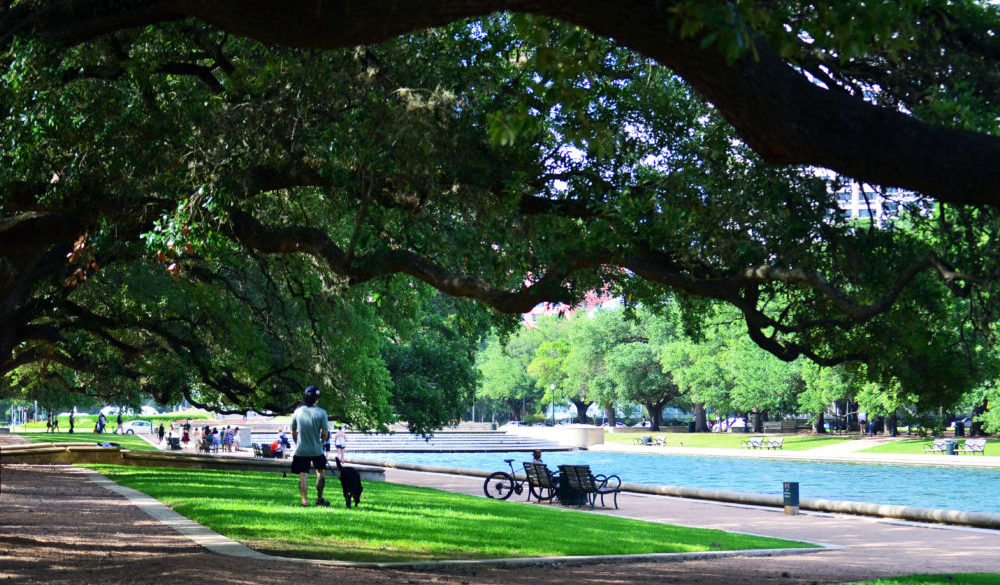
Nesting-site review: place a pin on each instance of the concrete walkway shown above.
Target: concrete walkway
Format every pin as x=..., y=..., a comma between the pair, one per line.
x=864, y=548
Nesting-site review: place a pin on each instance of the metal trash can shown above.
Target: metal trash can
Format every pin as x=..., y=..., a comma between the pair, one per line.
x=950, y=447
x=959, y=428
x=571, y=497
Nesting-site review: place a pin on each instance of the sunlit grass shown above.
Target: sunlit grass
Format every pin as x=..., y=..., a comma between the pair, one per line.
x=87, y=437
x=723, y=440
x=397, y=522
x=916, y=446
x=944, y=579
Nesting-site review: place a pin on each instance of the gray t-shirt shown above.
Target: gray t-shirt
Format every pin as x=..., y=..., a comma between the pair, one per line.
x=308, y=422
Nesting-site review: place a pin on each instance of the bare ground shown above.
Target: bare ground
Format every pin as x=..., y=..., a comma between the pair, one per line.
x=57, y=527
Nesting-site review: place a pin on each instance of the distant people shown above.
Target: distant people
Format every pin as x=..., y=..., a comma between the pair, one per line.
x=160, y=431
x=102, y=421
x=536, y=456
x=118, y=429
x=72, y=421
x=186, y=435
x=310, y=427
x=340, y=441
x=55, y=423
x=237, y=443
x=283, y=439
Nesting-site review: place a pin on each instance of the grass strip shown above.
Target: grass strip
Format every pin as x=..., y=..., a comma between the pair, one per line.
x=943, y=579
x=916, y=446
x=126, y=441
x=404, y=523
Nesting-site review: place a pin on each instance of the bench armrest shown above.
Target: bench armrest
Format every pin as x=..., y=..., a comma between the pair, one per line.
x=607, y=481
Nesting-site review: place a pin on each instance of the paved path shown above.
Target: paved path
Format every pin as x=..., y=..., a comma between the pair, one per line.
x=56, y=527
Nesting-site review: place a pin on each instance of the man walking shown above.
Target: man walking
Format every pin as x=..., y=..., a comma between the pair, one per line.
x=310, y=427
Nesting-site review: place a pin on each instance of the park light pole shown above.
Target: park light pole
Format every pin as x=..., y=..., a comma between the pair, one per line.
x=552, y=389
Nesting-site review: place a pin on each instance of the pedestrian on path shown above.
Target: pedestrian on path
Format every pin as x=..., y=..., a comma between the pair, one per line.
x=310, y=427
x=340, y=441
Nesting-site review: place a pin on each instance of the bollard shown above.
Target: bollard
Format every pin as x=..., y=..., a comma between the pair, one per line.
x=791, y=496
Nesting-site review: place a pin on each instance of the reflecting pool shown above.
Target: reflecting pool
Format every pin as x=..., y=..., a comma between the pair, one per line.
x=969, y=489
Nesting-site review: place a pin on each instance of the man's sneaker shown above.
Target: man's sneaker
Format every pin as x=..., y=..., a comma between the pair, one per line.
x=322, y=502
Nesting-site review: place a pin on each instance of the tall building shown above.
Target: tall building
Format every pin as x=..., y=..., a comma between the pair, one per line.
x=861, y=201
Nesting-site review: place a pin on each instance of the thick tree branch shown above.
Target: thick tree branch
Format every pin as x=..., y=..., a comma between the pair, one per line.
x=781, y=114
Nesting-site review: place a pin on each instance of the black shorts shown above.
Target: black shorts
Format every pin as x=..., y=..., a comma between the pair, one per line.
x=301, y=463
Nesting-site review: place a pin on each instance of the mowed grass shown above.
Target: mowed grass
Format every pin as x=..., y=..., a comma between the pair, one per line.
x=723, y=440
x=943, y=579
x=404, y=523
x=126, y=441
x=916, y=446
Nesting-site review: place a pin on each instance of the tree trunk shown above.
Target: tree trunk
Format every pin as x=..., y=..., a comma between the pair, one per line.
x=700, y=425
x=976, y=427
x=655, y=412
x=818, y=426
x=609, y=410
x=581, y=409
x=758, y=421
x=515, y=409
x=891, y=424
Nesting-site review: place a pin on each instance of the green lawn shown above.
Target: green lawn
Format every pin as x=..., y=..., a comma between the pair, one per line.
x=127, y=441
x=944, y=579
x=403, y=523
x=86, y=422
x=723, y=440
x=916, y=446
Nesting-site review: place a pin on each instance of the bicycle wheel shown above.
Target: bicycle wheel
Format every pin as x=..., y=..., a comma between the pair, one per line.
x=541, y=493
x=499, y=485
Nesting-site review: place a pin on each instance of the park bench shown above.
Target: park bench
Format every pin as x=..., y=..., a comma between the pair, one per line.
x=579, y=478
x=775, y=443
x=542, y=482
x=752, y=443
x=643, y=440
x=973, y=446
x=938, y=446
x=660, y=441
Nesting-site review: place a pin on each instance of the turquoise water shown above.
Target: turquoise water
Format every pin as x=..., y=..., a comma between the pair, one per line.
x=968, y=489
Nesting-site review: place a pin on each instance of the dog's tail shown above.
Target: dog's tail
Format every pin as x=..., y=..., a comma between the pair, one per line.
x=339, y=466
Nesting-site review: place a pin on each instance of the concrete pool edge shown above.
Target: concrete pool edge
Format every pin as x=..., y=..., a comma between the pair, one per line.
x=910, y=513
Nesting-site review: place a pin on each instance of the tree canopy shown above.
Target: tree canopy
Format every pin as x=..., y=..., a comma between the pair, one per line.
x=234, y=188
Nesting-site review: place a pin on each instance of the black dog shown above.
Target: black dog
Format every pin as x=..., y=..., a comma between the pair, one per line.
x=350, y=481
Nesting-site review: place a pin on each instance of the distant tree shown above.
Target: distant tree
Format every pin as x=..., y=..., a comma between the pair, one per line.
x=505, y=376
x=433, y=371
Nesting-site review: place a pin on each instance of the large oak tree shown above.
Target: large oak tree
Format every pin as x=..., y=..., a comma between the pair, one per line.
x=512, y=160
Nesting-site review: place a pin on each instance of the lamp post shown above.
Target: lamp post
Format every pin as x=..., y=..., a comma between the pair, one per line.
x=552, y=389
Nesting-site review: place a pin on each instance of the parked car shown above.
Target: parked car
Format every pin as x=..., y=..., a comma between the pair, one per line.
x=137, y=426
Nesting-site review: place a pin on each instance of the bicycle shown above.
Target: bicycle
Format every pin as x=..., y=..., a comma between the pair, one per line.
x=500, y=484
